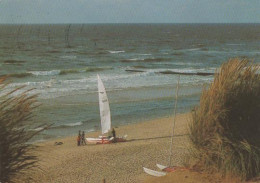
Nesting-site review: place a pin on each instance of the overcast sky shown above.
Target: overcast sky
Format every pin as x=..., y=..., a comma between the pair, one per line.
x=129, y=11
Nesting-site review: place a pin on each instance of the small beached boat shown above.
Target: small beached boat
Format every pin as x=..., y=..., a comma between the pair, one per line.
x=153, y=172
x=105, y=117
x=163, y=167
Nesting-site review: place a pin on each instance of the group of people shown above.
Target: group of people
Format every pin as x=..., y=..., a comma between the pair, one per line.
x=81, y=140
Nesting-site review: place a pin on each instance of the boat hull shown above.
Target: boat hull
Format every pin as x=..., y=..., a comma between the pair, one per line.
x=105, y=140
x=153, y=172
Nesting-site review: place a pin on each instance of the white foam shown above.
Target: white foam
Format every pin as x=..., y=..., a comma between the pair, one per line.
x=193, y=49
x=234, y=44
x=74, y=124
x=145, y=54
x=184, y=70
x=37, y=129
x=118, y=80
x=187, y=64
x=45, y=73
x=135, y=59
x=69, y=57
x=39, y=141
x=118, y=51
x=91, y=130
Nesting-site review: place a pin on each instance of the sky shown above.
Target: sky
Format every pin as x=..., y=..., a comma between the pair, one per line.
x=129, y=11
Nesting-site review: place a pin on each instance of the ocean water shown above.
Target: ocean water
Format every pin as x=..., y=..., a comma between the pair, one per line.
x=138, y=63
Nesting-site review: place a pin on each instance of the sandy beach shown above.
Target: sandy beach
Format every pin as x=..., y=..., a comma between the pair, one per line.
x=148, y=143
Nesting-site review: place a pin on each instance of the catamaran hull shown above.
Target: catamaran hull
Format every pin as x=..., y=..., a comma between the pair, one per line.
x=153, y=172
x=105, y=140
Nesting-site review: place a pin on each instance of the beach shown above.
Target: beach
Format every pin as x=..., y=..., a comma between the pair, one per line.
x=139, y=69
x=147, y=143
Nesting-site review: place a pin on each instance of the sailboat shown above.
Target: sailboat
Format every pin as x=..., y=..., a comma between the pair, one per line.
x=105, y=117
x=168, y=168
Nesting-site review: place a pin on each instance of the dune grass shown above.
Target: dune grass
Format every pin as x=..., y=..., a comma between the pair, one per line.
x=16, y=108
x=225, y=127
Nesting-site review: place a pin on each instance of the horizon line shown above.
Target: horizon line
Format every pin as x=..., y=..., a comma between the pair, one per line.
x=127, y=23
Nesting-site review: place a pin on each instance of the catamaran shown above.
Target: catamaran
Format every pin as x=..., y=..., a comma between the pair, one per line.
x=168, y=168
x=105, y=117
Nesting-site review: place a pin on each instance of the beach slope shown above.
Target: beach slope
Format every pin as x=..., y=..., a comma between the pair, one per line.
x=148, y=143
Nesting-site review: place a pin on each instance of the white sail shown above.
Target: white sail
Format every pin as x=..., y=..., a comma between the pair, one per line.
x=103, y=107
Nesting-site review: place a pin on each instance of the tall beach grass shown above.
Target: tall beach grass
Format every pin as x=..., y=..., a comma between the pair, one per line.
x=225, y=127
x=16, y=108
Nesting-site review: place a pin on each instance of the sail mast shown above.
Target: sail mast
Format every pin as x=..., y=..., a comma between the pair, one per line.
x=174, y=116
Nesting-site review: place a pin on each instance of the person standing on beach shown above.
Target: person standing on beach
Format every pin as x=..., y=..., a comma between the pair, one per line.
x=114, y=134
x=79, y=138
x=83, y=140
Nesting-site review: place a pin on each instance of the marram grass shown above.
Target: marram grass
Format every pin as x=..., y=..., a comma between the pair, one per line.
x=225, y=128
x=15, y=114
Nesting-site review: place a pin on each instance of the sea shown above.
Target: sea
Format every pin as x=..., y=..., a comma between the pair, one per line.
x=139, y=65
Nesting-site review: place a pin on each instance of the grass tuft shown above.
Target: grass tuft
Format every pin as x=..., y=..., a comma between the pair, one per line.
x=225, y=128
x=16, y=108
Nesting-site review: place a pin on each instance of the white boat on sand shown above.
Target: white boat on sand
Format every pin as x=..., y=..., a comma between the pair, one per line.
x=105, y=117
x=163, y=167
x=154, y=173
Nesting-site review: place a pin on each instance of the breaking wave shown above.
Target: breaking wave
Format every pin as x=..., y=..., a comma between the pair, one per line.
x=186, y=71
x=144, y=54
x=118, y=51
x=69, y=57
x=36, y=129
x=145, y=60
x=56, y=72
x=69, y=125
x=45, y=73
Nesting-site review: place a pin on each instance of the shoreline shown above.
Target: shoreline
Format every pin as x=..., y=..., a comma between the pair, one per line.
x=95, y=131
x=148, y=143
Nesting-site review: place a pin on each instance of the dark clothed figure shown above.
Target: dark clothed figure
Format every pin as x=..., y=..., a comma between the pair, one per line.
x=114, y=134
x=79, y=138
x=83, y=139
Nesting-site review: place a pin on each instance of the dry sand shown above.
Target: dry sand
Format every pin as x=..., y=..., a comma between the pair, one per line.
x=148, y=143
